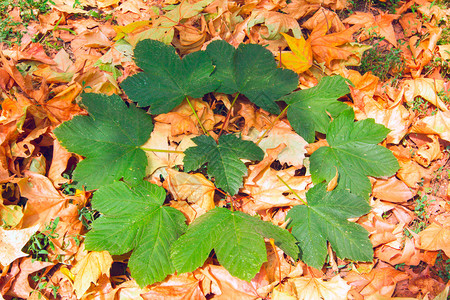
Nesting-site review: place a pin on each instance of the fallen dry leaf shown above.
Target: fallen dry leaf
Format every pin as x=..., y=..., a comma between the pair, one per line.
x=12, y=242
x=194, y=188
x=435, y=237
x=89, y=269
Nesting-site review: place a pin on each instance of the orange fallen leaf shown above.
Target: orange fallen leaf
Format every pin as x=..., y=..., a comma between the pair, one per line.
x=392, y=190
x=380, y=24
x=325, y=47
x=439, y=124
x=21, y=286
x=435, y=237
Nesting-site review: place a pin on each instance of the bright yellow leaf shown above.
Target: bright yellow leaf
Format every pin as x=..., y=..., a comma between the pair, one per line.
x=301, y=58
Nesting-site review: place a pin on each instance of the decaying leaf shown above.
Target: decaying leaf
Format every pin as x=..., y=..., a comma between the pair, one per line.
x=12, y=242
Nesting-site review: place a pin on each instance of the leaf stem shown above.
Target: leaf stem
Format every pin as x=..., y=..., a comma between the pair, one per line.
x=161, y=150
x=198, y=119
x=228, y=116
x=303, y=201
x=271, y=126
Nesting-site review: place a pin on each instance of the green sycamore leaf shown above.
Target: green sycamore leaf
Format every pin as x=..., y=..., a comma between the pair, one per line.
x=325, y=219
x=237, y=239
x=167, y=79
x=223, y=159
x=134, y=219
x=354, y=152
x=109, y=138
x=252, y=71
x=308, y=110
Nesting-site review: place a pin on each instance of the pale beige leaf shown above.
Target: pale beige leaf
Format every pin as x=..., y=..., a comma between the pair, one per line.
x=12, y=242
x=194, y=188
x=316, y=288
x=294, y=153
x=89, y=270
x=435, y=237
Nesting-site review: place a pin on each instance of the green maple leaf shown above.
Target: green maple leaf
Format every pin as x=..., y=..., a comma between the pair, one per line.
x=237, y=239
x=354, y=153
x=134, y=219
x=308, y=110
x=252, y=71
x=223, y=159
x=167, y=79
x=109, y=138
x=325, y=219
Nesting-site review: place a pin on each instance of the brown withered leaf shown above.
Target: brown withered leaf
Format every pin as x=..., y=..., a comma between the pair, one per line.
x=44, y=203
x=225, y=286
x=438, y=123
x=183, y=121
x=21, y=285
x=294, y=152
x=324, y=15
x=194, y=188
x=380, y=24
x=408, y=254
x=381, y=279
x=428, y=152
x=268, y=191
x=183, y=286
x=325, y=46
x=58, y=164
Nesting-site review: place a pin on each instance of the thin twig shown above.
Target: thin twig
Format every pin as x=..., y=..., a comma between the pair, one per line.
x=228, y=116
x=284, y=182
x=198, y=119
x=161, y=150
x=273, y=124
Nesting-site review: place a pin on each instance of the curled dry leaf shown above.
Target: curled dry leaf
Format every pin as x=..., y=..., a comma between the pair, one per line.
x=428, y=152
x=194, y=188
x=427, y=88
x=437, y=124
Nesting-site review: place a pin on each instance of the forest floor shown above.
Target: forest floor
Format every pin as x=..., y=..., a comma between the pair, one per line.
x=395, y=53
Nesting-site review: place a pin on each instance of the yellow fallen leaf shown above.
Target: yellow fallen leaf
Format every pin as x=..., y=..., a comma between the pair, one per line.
x=12, y=242
x=435, y=237
x=301, y=58
x=122, y=31
x=89, y=269
x=195, y=188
